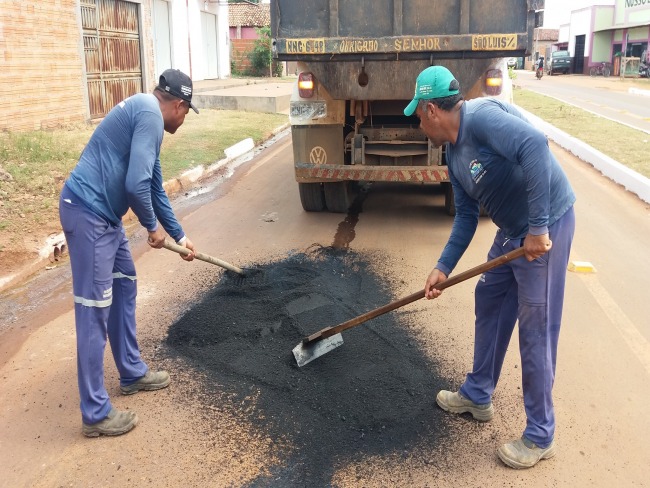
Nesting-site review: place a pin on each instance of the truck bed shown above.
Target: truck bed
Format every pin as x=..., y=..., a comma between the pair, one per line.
x=418, y=29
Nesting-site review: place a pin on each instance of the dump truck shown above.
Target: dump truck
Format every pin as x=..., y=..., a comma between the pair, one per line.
x=357, y=65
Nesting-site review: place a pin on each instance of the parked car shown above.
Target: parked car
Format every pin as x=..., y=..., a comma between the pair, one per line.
x=512, y=62
x=559, y=62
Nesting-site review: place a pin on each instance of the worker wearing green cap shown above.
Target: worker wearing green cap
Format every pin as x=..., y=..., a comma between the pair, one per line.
x=497, y=160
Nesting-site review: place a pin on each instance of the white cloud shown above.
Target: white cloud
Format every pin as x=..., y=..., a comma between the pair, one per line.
x=558, y=12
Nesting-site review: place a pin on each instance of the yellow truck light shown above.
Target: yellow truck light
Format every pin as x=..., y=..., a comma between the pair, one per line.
x=493, y=82
x=306, y=85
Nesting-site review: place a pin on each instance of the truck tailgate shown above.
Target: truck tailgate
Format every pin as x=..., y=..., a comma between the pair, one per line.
x=410, y=29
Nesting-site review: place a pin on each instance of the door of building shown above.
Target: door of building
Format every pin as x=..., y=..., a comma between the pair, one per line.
x=111, y=37
x=579, y=58
x=162, y=36
x=210, y=53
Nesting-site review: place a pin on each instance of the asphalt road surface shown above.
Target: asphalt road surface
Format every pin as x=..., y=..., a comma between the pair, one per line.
x=608, y=97
x=211, y=429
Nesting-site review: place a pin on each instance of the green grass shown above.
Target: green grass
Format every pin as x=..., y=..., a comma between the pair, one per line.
x=203, y=138
x=39, y=162
x=628, y=146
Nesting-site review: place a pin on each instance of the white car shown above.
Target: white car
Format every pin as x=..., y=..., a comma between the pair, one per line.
x=512, y=62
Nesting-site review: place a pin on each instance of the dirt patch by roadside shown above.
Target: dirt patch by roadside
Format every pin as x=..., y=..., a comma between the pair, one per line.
x=21, y=247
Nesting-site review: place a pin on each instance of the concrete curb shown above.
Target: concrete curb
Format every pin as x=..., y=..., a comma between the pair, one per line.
x=630, y=180
x=637, y=91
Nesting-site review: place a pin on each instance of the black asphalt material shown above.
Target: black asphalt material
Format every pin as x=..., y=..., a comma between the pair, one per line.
x=373, y=395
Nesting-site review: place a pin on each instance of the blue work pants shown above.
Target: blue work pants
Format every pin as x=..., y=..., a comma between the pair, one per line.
x=104, y=289
x=533, y=293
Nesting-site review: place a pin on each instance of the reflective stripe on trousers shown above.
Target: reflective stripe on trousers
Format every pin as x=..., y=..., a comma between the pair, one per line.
x=104, y=287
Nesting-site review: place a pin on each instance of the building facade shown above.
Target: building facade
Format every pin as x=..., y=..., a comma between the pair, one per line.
x=617, y=34
x=64, y=62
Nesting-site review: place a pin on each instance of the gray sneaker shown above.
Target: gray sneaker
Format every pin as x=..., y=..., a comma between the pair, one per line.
x=523, y=453
x=117, y=422
x=454, y=402
x=149, y=382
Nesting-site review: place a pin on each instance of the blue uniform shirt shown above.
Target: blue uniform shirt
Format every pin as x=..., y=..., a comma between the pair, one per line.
x=502, y=162
x=120, y=167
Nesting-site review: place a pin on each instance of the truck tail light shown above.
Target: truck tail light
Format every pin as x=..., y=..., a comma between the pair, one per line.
x=493, y=82
x=306, y=85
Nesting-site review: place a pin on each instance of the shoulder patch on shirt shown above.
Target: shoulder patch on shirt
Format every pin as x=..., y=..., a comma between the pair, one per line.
x=476, y=170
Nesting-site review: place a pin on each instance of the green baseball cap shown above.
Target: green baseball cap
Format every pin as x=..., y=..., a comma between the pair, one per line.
x=433, y=82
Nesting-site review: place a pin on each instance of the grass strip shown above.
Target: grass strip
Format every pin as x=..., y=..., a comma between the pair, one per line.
x=628, y=146
x=34, y=165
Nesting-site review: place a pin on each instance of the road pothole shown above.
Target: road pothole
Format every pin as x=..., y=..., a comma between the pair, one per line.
x=373, y=395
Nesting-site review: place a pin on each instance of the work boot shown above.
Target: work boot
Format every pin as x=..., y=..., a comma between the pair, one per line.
x=454, y=402
x=117, y=422
x=523, y=453
x=149, y=382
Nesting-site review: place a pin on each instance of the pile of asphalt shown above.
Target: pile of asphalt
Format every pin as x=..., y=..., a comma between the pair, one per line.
x=373, y=395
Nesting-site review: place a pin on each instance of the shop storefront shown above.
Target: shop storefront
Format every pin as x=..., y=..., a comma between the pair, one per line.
x=617, y=34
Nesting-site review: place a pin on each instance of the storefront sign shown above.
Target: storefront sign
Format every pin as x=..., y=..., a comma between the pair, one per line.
x=636, y=3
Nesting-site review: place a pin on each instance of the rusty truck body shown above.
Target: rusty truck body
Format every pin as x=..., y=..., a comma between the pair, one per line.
x=357, y=64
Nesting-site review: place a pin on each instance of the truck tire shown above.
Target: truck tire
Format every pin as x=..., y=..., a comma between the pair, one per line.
x=312, y=197
x=450, y=207
x=337, y=196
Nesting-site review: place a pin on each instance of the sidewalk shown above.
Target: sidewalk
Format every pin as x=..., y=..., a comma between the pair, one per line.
x=269, y=95
x=218, y=84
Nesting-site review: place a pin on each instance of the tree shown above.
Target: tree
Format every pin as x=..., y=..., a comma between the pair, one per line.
x=261, y=55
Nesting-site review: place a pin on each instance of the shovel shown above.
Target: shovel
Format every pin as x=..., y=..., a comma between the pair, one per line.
x=323, y=341
x=203, y=257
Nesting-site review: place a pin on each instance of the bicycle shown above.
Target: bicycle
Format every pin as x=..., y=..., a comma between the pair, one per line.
x=601, y=69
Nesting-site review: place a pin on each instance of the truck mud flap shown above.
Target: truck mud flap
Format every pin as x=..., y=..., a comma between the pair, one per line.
x=314, y=173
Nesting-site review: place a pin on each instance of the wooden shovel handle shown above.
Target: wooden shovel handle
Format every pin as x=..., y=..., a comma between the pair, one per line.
x=203, y=257
x=465, y=275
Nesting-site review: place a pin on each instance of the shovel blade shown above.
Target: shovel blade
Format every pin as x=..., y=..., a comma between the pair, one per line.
x=305, y=354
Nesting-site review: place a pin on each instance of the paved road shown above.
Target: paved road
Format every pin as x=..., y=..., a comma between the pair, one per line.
x=601, y=389
x=608, y=97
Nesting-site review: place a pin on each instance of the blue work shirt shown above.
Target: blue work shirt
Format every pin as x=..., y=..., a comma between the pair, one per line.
x=120, y=167
x=502, y=162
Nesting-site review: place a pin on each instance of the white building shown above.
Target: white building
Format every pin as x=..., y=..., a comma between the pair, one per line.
x=618, y=34
x=70, y=61
x=192, y=35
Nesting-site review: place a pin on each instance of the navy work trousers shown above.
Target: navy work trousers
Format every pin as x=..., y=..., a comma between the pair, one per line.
x=533, y=293
x=104, y=289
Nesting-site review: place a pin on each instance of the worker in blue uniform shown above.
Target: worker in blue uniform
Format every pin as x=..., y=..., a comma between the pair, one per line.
x=499, y=161
x=119, y=169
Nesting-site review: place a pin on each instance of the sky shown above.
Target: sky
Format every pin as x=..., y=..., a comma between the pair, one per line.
x=558, y=12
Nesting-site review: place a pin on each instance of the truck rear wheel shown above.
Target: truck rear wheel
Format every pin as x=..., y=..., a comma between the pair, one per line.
x=450, y=207
x=312, y=197
x=338, y=196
